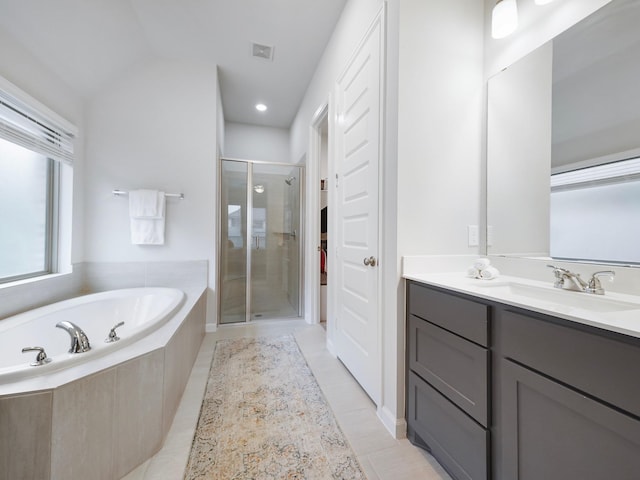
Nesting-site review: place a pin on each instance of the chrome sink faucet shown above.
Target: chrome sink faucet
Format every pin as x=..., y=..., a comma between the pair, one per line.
x=568, y=280
x=595, y=286
x=79, y=340
x=572, y=281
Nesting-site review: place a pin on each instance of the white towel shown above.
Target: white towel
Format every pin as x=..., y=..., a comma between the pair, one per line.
x=146, y=213
x=489, y=273
x=473, y=272
x=481, y=263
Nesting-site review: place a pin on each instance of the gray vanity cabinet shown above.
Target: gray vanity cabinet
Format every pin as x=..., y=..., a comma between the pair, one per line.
x=569, y=399
x=495, y=391
x=448, y=359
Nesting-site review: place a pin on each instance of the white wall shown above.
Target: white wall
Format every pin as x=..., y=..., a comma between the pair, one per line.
x=154, y=128
x=256, y=142
x=436, y=50
x=439, y=125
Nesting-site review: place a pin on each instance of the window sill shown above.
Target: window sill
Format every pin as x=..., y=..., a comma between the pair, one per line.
x=28, y=281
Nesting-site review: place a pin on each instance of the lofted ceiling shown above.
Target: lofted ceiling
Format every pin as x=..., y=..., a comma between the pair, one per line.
x=89, y=43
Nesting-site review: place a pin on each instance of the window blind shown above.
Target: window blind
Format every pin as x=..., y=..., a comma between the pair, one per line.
x=624, y=170
x=24, y=125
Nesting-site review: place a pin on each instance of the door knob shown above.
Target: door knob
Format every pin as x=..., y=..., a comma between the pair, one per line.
x=370, y=262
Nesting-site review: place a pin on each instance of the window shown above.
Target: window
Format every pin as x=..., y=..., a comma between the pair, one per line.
x=34, y=143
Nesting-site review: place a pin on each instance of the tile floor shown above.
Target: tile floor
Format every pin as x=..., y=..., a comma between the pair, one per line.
x=382, y=457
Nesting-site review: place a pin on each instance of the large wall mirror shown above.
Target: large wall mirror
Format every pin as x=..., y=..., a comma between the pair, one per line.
x=563, y=145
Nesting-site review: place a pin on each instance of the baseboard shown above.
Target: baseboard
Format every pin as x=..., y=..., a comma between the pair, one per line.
x=331, y=348
x=397, y=427
x=210, y=327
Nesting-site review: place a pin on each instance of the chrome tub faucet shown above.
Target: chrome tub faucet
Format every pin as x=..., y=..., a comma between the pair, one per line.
x=79, y=340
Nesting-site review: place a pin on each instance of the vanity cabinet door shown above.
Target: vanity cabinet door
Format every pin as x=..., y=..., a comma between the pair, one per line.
x=454, y=439
x=454, y=366
x=552, y=432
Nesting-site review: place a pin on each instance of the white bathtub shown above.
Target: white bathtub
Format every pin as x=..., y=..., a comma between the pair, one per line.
x=142, y=310
x=111, y=406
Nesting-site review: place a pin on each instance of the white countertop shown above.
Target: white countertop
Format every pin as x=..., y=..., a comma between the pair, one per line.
x=615, y=312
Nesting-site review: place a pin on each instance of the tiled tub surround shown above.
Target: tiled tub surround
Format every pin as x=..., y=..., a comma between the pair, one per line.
x=102, y=419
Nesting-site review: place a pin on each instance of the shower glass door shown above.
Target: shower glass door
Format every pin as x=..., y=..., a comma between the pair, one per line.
x=233, y=251
x=269, y=223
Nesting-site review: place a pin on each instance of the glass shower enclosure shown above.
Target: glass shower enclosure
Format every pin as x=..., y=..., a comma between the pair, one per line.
x=260, y=267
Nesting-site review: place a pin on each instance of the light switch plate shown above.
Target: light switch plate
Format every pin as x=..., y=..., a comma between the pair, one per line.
x=474, y=236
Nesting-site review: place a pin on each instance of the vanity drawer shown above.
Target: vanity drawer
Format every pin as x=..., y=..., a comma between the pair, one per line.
x=456, y=367
x=454, y=439
x=603, y=366
x=464, y=317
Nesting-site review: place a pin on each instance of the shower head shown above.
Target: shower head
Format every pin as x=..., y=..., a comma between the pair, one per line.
x=289, y=180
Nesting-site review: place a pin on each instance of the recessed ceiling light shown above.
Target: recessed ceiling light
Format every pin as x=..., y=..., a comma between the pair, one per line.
x=261, y=107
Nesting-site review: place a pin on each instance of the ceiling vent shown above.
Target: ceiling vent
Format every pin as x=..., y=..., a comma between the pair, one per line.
x=262, y=51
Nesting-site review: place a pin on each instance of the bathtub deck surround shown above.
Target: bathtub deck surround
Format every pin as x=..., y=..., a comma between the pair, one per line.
x=24, y=295
x=103, y=418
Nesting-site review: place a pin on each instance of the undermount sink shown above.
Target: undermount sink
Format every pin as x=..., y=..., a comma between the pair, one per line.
x=558, y=297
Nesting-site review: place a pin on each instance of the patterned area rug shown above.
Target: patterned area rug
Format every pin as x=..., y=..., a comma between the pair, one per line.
x=264, y=417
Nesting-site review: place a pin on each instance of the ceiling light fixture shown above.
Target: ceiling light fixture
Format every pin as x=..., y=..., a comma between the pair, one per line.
x=261, y=107
x=504, y=18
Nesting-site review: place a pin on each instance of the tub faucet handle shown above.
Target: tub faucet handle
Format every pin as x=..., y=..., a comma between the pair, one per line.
x=113, y=337
x=41, y=358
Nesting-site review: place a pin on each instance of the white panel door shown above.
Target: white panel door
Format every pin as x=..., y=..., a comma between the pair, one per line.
x=358, y=134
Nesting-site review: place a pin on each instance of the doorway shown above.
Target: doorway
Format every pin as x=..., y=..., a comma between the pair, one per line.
x=323, y=130
x=260, y=249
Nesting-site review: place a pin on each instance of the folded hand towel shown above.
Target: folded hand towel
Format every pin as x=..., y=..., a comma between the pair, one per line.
x=481, y=263
x=146, y=204
x=489, y=273
x=473, y=272
x=146, y=212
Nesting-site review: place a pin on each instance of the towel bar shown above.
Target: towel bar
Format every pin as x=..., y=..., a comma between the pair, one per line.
x=122, y=192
